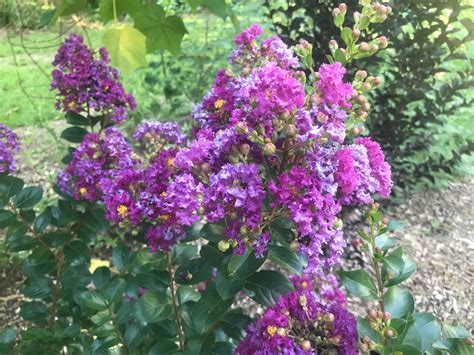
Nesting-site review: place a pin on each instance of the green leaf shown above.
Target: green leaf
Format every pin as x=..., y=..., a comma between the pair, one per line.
x=340, y=56
x=359, y=283
x=409, y=268
x=222, y=348
x=76, y=253
x=94, y=300
x=134, y=336
x=267, y=285
x=115, y=290
x=200, y=345
x=164, y=347
x=212, y=255
x=126, y=47
x=286, y=258
x=194, y=3
x=217, y=7
x=28, y=197
x=42, y=221
x=161, y=31
x=394, y=265
x=6, y=218
x=69, y=7
x=385, y=242
x=399, y=302
x=77, y=277
x=40, y=262
x=209, y=309
x=187, y=294
x=346, y=35
x=193, y=271
x=422, y=333
x=74, y=134
x=7, y=336
x=120, y=257
x=455, y=331
x=242, y=266
x=33, y=310
x=235, y=324
x=454, y=346
x=364, y=329
x=9, y=187
x=106, y=8
x=17, y=240
x=101, y=277
x=212, y=232
x=37, y=287
x=228, y=287
x=153, y=307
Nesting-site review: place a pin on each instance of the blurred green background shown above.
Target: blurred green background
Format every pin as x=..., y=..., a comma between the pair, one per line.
x=422, y=115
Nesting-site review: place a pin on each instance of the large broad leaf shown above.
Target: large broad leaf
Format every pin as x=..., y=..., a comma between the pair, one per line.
x=153, y=307
x=409, y=267
x=126, y=47
x=74, y=134
x=228, y=287
x=455, y=346
x=235, y=323
x=69, y=7
x=200, y=345
x=359, y=283
x=194, y=3
x=209, y=309
x=286, y=258
x=28, y=197
x=94, y=300
x=193, y=271
x=33, y=310
x=422, y=333
x=241, y=266
x=212, y=232
x=217, y=7
x=161, y=31
x=40, y=262
x=6, y=218
x=106, y=8
x=9, y=186
x=267, y=285
x=399, y=302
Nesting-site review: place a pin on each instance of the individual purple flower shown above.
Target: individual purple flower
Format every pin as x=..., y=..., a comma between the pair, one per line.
x=380, y=168
x=275, y=50
x=9, y=144
x=159, y=133
x=302, y=322
x=333, y=90
x=163, y=237
x=195, y=154
x=260, y=246
x=86, y=84
x=246, y=51
x=249, y=35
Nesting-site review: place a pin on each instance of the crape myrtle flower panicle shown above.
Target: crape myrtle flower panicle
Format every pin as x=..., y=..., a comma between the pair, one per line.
x=94, y=159
x=303, y=322
x=274, y=49
x=331, y=86
x=9, y=144
x=87, y=83
x=158, y=133
x=246, y=50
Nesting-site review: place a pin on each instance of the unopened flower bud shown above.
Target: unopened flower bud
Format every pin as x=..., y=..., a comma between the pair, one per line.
x=379, y=315
x=243, y=230
x=366, y=86
x=223, y=245
x=357, y=15
x=364, y=348
x=383, y=42
x=336, y=340
x=388, y=10
x=269, y=148
x=386, y=316
x=291, y=131
x=361, y=99
x=281, y=332
x=376, y=6
x=333, y=44
x=366, y=106
x=338, y=224
x=376, y=81
x=241, y=128
x=355, y=34
x=303, y=301
x=294, y=245
x=245, y=149
x=329, y=317
x=374, y=47
x=364, y=47
x=389, y=333
x=322, y=117
x=343, y=7
x=246, y=70
x=285, y=116
x=373, y=314
x=336, y=12
x=366, y=339
x=205, y=168
x=374, y=325
x=470, y=341
x=306, y=345
x=355, y=242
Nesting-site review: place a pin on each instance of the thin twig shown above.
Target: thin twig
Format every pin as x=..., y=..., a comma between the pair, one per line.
x=179, y=327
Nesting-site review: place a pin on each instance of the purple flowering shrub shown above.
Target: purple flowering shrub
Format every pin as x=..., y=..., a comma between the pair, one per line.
x=248, y=205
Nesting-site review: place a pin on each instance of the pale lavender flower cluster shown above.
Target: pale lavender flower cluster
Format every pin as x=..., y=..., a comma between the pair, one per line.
x=9, y=144
x=304, y=322
x=89, y=85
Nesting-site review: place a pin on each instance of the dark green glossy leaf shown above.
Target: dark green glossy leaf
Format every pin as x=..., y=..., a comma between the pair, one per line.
x=115, y=290
x=18, y=241
x=212, y=232
x=193, y=271
x=234, y=324
x=200, y=345
x=217, y=7
x=153, y=307
x=212, y=255
x=94, y=300
x=134, y=336
x=187, y=294
x=42, y=221
x=267, y=285
x=37, y=287
x=228, y=287
x=399, y=302
x=242, y=266
x=164, y=347
x=409, y=269
x=101, y=277
x=40, y=262
x=422, y=333
x=28, y=197
x=6, y=218
x=74, y=134
x=9, y=187
x=359, y=283
x=120, y=257
x=286, y=258
x=33, y=310
x=76, y=253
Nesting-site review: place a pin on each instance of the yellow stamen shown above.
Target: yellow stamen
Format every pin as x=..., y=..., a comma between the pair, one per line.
x=164, y=194
x=219, y=103
x=71, y=105
x=304, y=284
x=165, y=217
x=82, y=191
x=271, y=330
x=170, y=162
x=122, y=210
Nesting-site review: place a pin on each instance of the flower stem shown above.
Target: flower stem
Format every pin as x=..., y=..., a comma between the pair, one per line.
x=179, y=328
x=378, y=274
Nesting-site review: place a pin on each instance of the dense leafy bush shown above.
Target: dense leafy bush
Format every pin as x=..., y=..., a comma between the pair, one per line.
x=427, y=74
x=21, y=14
x=248, y=207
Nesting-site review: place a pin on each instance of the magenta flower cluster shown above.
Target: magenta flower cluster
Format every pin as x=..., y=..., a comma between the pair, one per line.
x=88, y=84
x=313, y=319
x=9, y=144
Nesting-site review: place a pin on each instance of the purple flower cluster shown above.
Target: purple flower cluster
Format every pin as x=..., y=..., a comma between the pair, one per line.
x=87, y=84
x=159, y=133
x=304, y=322
x=9, y=144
